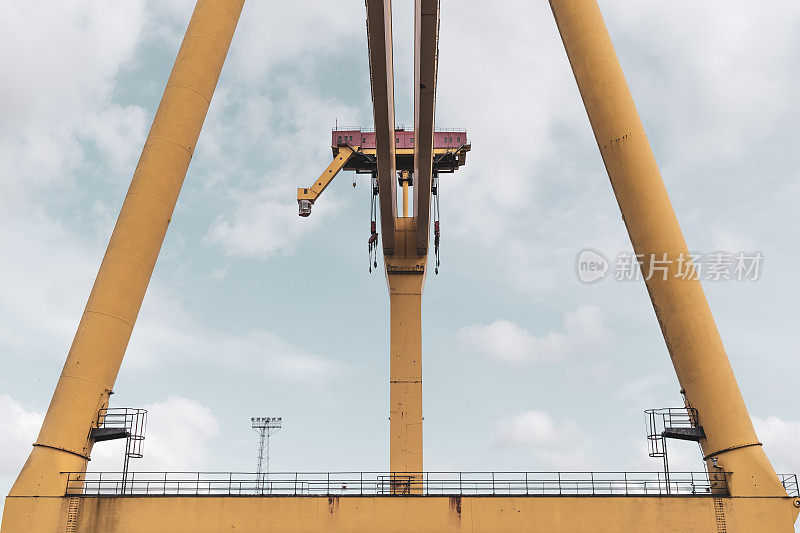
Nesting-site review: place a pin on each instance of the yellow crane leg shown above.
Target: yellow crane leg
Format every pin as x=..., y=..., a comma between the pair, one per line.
x=405, y=182
x=405, y=272
x=405, y=199
x=96, y=354
x=691, y=335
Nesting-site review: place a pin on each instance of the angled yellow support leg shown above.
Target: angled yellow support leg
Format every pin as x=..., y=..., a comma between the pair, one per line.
x=691, y=335
x=34, y=503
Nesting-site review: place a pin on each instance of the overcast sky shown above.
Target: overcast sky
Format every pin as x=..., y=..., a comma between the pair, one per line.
x=253, y=311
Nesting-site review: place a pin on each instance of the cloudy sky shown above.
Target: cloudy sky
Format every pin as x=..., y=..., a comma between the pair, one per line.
x=253, y=311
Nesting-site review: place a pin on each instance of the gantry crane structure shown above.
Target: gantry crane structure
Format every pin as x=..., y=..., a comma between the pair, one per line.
x=53, y=493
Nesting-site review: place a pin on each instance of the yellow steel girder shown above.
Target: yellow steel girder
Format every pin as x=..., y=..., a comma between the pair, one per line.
x=421, y=514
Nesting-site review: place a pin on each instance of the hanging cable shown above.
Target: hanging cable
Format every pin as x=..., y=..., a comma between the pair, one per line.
x=435, y=191
x=372, y=243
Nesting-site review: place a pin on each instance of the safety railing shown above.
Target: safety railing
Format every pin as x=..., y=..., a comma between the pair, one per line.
x=382, y=483
x=659, y=420
x=132, y=421
x=397, y=127
x=789, y=482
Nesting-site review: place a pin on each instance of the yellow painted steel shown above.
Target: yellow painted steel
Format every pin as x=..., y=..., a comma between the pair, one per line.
x=396, y=514
x=405, y=275
x=426, y=60
x=691, y=335
x=405, y=180
x=96, y=354
x=405, y=199
x=381, y=76
x=37, y=502
x=410, y=151
x=325, y=179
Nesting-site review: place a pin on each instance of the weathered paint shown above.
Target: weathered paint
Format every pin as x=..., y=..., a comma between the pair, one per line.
x=405, y=274
x=421, y=514
x=96, y=354
x=402, y=138
x=379, y=41
x=691, y=335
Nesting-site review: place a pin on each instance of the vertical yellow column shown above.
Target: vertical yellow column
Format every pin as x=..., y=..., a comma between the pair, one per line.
x=406, y=277
x=105, y=328
x=691, y=335
x=405, y=182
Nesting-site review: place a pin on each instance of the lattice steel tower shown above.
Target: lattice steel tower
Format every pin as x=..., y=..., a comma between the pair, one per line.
x=265, y=427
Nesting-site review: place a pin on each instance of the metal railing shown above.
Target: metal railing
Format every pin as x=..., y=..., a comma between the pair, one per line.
x=397, y=127
x=659, y=420
x=383, y=483
x=789, y=482
x=133, y=422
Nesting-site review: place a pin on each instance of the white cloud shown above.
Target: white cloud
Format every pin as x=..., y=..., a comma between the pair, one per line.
x=584, y=334
x=18, y=427
x=298, y=31
x=684, y=456
x=647, y=391
x=260, y=217
x=170, y=334
x=594, y=372
x=521, y=198
x=712, y=93
x=178, y=433
x=58, y=86
x=51, y=280
x=780, y=437
x=725, y=240
x=720, y=72
x=177, y=438
x=266, y=223
x=558, y=444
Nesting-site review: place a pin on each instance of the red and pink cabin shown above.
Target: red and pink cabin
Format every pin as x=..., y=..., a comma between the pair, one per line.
x=403, y=139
